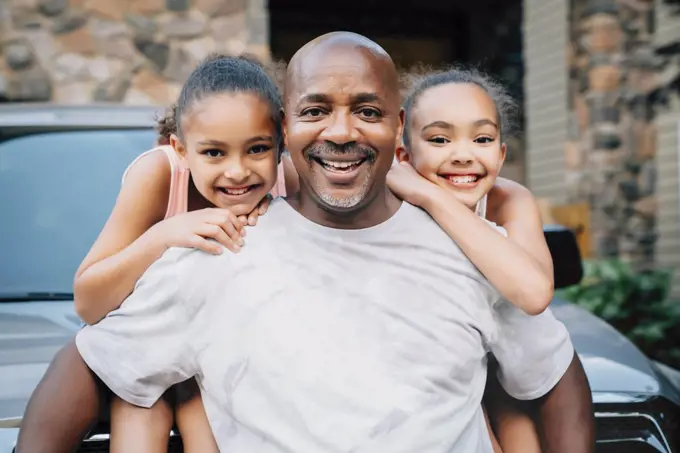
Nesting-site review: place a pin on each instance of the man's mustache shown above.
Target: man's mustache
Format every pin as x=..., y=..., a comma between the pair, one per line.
x=328, y=150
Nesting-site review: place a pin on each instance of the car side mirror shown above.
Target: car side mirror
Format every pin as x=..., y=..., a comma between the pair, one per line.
x=567, y=264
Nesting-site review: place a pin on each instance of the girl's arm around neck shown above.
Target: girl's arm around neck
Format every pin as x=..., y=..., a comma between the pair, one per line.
x=514, y=272
x=125, y=248
x=514, y=207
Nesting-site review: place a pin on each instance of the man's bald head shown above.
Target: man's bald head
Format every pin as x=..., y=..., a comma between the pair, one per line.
x=343, y=42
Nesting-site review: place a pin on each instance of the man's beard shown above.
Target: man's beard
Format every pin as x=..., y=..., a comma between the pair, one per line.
x=328, y=150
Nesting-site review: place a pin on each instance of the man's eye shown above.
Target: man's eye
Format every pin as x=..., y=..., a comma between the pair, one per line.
x=313, y=112
x=370, y=113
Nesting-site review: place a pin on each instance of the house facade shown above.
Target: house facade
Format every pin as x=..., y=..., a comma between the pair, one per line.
x=598, y=80
x=603, y=121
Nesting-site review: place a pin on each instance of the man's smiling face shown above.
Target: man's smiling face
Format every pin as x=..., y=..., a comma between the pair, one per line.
x=342, y=124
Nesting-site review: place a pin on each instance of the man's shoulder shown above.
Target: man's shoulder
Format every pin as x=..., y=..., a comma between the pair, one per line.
x=179, y=260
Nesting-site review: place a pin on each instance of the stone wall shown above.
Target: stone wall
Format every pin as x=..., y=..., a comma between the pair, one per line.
x=130, y=51
x=616, y=80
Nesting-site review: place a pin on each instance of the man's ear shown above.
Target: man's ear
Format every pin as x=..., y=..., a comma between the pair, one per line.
x=401, y=125
x=284, y=132
x=402, y=155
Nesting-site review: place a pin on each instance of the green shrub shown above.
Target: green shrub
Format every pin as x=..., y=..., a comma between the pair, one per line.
x=635, y=303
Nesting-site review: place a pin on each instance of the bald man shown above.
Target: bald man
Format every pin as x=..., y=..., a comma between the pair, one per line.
x=350, y=322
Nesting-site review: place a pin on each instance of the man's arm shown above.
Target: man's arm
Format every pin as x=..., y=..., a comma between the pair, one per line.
x=146, y=346
x=566, y=422
x=537, y=363
x=63, y=407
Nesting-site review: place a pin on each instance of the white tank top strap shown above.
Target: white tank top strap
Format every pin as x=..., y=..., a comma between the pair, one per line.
x=480, y=209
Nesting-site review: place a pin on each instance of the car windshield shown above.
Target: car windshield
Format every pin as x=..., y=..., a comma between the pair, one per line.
x=56, y=192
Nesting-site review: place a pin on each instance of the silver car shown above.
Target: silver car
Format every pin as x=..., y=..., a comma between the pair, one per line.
x=60, y=171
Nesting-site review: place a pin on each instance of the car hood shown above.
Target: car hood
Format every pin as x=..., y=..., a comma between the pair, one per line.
x=31, y=333
x=612, y=363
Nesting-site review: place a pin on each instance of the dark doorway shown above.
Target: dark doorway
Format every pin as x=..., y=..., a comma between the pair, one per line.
x=431, y=33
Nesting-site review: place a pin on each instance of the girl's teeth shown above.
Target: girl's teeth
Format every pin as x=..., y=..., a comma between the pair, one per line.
x=236, y=191
x=334, y=164
x=463, y=179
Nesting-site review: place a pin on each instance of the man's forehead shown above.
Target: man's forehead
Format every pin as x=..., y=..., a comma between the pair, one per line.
x=345, y=70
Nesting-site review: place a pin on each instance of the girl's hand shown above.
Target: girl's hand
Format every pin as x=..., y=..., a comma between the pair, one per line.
x=407, y=184
x=193, y=230
x=260, y=209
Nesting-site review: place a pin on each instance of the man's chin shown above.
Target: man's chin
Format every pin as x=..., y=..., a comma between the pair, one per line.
x=340, y=201
x=342, y=204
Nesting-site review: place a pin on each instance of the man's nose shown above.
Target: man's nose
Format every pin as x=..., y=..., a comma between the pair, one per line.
x=340, y=130
x=235, y=171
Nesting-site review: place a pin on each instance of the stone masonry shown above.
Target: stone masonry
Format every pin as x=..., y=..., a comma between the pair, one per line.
x=129, y=51
x=616, y=81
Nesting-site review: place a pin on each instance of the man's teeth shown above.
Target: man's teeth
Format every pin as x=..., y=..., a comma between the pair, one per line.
x=463, y=179
x=236, y=191
x=340, y=165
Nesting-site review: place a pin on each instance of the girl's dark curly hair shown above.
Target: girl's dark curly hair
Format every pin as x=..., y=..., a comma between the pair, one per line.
x=219, y=74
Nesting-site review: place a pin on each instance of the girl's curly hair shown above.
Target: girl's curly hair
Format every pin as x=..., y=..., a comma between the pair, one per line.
x=167, y=123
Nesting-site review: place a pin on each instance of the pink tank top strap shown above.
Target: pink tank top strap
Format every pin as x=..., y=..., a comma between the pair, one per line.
x=179, y=180
x=480, y=209
x=179, y=184
x=279, y=189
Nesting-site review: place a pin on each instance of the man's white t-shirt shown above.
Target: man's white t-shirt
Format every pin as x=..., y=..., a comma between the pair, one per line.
x=318, y=340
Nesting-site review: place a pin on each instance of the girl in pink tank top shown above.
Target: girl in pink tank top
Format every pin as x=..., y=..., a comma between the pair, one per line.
x=215, y=176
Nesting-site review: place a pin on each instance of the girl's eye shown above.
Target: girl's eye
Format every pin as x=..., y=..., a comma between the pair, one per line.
x=438, y=140
x=313, y=112
x=259, y=149
x=213, y=152
x=484, y=140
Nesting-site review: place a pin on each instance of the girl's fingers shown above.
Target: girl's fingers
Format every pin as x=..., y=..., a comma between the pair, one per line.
x=218, y=233
x=264, y=205
x=201, y=243
x=233, y=227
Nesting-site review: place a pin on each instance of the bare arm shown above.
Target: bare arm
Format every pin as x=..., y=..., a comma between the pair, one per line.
x=124, y=249
x=566, y=421
x=63, y=407
x=514, y=207
x=512, y=269
x=506, y=264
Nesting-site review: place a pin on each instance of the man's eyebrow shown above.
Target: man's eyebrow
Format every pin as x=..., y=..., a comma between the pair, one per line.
x=320, y=98
x=365, y=98
x=315, y=98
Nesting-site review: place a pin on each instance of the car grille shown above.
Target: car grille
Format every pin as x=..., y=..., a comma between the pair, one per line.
x=100, y=444
x=629, y=433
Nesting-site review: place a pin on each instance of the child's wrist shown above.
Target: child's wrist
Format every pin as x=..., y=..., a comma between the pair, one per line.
x=153, y=240
x=430, y=198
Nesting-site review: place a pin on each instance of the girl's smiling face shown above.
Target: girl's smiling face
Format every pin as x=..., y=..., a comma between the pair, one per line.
x=229, y=145
x=455, y=140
